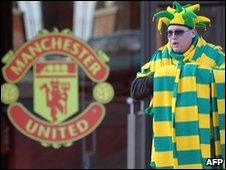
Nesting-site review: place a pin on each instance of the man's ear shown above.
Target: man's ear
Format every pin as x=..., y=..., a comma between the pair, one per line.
x=193, y=32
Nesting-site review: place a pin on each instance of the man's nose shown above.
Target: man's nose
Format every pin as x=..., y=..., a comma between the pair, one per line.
x=174, y=35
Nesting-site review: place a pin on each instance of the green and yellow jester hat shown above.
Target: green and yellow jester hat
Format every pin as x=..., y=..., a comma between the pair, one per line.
x=181, y=15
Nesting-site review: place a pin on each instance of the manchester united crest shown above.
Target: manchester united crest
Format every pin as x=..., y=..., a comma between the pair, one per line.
x=56, y=90
x=54, y=58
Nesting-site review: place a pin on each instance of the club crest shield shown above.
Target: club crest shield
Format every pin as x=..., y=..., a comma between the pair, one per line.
x=56, y=90
x=56, y=119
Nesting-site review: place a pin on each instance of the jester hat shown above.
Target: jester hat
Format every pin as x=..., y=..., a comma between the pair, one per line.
x=181, y=15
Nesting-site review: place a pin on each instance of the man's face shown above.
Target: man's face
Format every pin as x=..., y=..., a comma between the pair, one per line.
x=180, y=37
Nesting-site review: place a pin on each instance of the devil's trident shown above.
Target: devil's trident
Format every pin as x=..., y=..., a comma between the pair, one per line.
x=65, y=87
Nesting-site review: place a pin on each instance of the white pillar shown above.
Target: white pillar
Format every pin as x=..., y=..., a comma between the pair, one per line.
x=83, y=19
x=32, y=17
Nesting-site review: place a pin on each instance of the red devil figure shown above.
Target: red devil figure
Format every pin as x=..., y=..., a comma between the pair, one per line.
x=54, y=97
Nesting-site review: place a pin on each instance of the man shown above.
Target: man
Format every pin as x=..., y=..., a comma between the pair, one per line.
x=186, y=79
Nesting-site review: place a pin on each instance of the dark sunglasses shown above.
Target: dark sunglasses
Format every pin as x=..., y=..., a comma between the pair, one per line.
x=177, y=33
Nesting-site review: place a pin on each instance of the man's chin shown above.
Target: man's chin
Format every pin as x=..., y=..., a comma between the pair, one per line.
x=177, y=50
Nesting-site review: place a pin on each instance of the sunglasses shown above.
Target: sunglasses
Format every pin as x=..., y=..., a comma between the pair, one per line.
x=177, y=33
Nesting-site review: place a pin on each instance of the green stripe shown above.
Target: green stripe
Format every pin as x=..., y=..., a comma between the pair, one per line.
x=162, y=113
x=175, y=88
x=158, y=56
x=174, y=150
x=186, y=99
x=220, y=59
x=210, y=52
x=163, y=143
x=189, y=157
x=216, y=132
x=188, y=70
x=198, y=53
x=153, y=166
x=214, y=104
x=165, y=53
x=223, y=151
x=152, y=58
x=203, y=76
x=186, y=128
x=148, y=111
x=204, y=135
x=163, y=83
x=221, y=121
x=166, y=167
x=220, y=90
x=203, y=106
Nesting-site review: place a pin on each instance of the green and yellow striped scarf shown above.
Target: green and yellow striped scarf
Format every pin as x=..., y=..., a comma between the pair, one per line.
x=187, y=106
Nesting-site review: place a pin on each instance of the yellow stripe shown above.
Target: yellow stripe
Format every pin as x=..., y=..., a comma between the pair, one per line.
x=222, y=136
x=162, y=128
x=190, y=166
x=174, y=61
x=213, y=90
x=145, y=66
x=199, y=61
x=169, y=70
x=153, y=151
x=166, y=61
x=219, y=76
x=221, y=106
x=201, y=42
x=142, y=74
x=163, y=98
x=203, y=91
x=177, y=76
x=204, y=121
x=173, y=104
x=189, y=53
x=173, y=135
x=207, y=61
x=187, y=143
x=164, y=159
x=175, y=163
x=215, y=119
x=157, y=64
x=187, y=84
x=217, y=147
x=205, y=150
x=184, y=114
x=151, y=103
x=152, y=65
